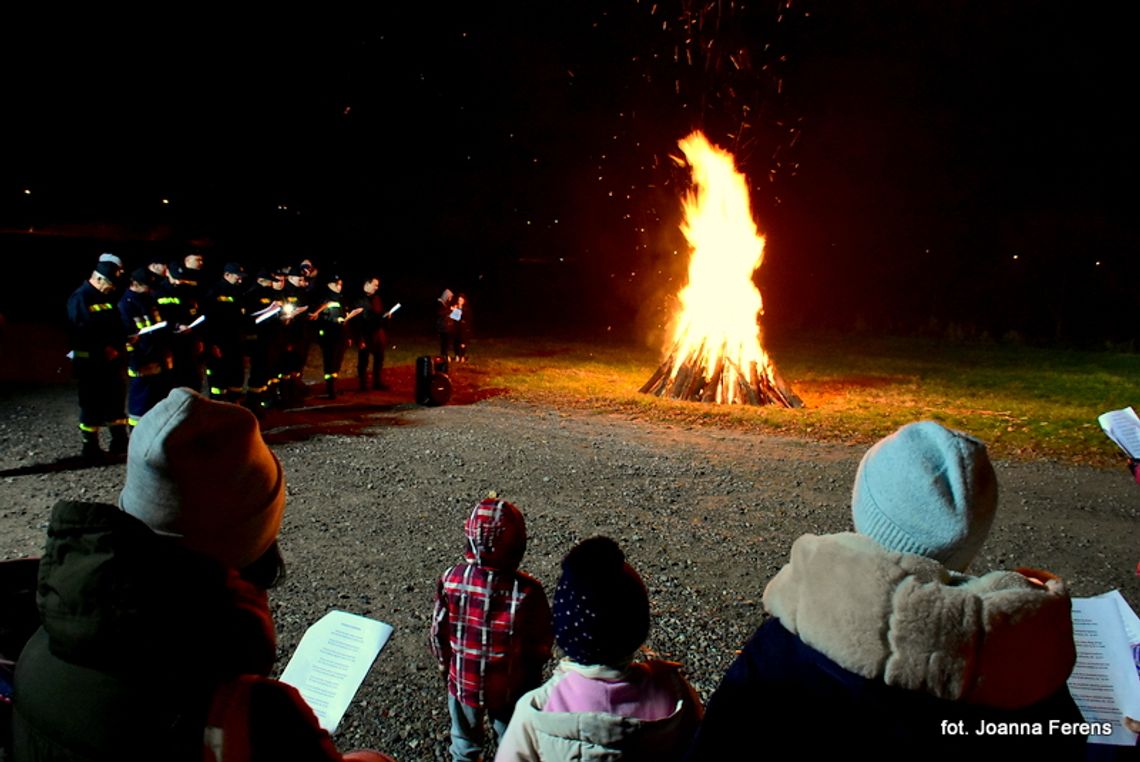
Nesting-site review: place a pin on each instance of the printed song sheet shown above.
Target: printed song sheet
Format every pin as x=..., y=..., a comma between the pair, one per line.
x=1122, y=427
x=331, y=661
x=1105, y=682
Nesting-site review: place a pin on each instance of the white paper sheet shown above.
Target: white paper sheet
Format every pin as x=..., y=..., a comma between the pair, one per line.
x=331, y=661
x=1123, y=427
x=267, y=313
x=151, y=328
x=1104, y=683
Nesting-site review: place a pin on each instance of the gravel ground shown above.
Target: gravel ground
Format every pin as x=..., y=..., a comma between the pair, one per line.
x=378, y=490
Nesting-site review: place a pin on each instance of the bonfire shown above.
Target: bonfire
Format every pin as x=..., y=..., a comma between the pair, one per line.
x=714, y=351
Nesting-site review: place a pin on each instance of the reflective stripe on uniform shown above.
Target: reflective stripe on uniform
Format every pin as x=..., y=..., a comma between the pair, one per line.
x=150, y=369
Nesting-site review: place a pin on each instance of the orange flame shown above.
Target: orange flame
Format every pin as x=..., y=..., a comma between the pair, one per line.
x=720, y=305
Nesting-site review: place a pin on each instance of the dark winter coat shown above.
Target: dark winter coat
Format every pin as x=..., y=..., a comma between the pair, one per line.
x=491, y=625
x=138, y=633
x=870, y=650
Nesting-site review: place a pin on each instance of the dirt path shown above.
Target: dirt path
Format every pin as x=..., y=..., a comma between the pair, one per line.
x=378, y=490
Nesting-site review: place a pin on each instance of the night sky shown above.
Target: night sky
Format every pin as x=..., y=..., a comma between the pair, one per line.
x=933, y=167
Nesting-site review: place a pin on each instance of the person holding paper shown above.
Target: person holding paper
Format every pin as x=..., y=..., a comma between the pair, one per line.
x=1123, y=428
x=157, y=637
x=226, y=322
x=263, y=342
x=443, y=322
x=879, y=641
x=367, y=330
x=294, y=334
x=149, y=361
x=179, y=304
x=331, y=313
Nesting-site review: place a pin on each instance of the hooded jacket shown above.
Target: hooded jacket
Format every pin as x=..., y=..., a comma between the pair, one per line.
x=491, y=627
x=869, y=648
x=138, y=634
x=552, y=736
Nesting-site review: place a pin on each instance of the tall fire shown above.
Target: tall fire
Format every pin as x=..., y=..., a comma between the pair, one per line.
x=715, y=353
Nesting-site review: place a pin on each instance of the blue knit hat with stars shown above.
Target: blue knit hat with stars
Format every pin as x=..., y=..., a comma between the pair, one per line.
x=601, y=607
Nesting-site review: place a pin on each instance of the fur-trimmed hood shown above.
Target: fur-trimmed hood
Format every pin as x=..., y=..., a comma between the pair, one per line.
x=998, y=640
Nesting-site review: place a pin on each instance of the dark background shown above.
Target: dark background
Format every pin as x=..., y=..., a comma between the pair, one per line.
x=952, y=168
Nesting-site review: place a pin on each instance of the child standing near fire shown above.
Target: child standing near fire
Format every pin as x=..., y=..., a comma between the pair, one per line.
x=491, y=629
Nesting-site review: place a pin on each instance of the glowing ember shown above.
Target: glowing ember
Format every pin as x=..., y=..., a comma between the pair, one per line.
x=714, y=353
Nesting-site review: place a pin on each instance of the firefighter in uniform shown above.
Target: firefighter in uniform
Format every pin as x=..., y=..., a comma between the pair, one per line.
x=295, y=336
x=368, y=334
x=225, y=326
x=178, y=304
x=158, y=269
x=149, y=361
x=331, y=316
x=98, y=346
x=262, y=337
x=192, y=276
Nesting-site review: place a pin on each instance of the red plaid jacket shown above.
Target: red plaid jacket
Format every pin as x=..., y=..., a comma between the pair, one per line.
x=492, y=631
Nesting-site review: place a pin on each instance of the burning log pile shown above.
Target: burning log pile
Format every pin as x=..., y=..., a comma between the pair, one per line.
x=715, y=353
x=728, y=383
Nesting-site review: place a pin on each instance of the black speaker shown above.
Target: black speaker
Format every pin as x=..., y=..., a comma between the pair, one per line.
x=433, y=387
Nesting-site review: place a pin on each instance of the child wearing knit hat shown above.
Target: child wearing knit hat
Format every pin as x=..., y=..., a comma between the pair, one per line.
x=600, y=704
x=883, y=631
x=157, y=639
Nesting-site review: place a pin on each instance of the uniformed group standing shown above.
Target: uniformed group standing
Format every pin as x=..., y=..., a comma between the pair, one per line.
x=169, y=324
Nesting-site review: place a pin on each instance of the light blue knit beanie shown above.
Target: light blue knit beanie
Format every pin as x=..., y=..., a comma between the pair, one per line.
x=928, y=490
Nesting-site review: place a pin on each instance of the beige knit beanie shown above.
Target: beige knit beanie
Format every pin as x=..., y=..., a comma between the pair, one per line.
x=199, y=471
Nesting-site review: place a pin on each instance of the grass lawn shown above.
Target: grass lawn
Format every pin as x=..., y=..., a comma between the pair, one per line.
x=1025, y=402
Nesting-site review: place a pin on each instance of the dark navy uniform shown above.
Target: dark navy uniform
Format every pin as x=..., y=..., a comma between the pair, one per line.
x=178, y=304
x=225, y=326
x=263, y=345
x=99, y=347
x=295, y=341
x=368, y=335
x=149, y=360
x=330, y=336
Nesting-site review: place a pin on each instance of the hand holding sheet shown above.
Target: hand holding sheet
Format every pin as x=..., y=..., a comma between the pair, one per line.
x=331, y=661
